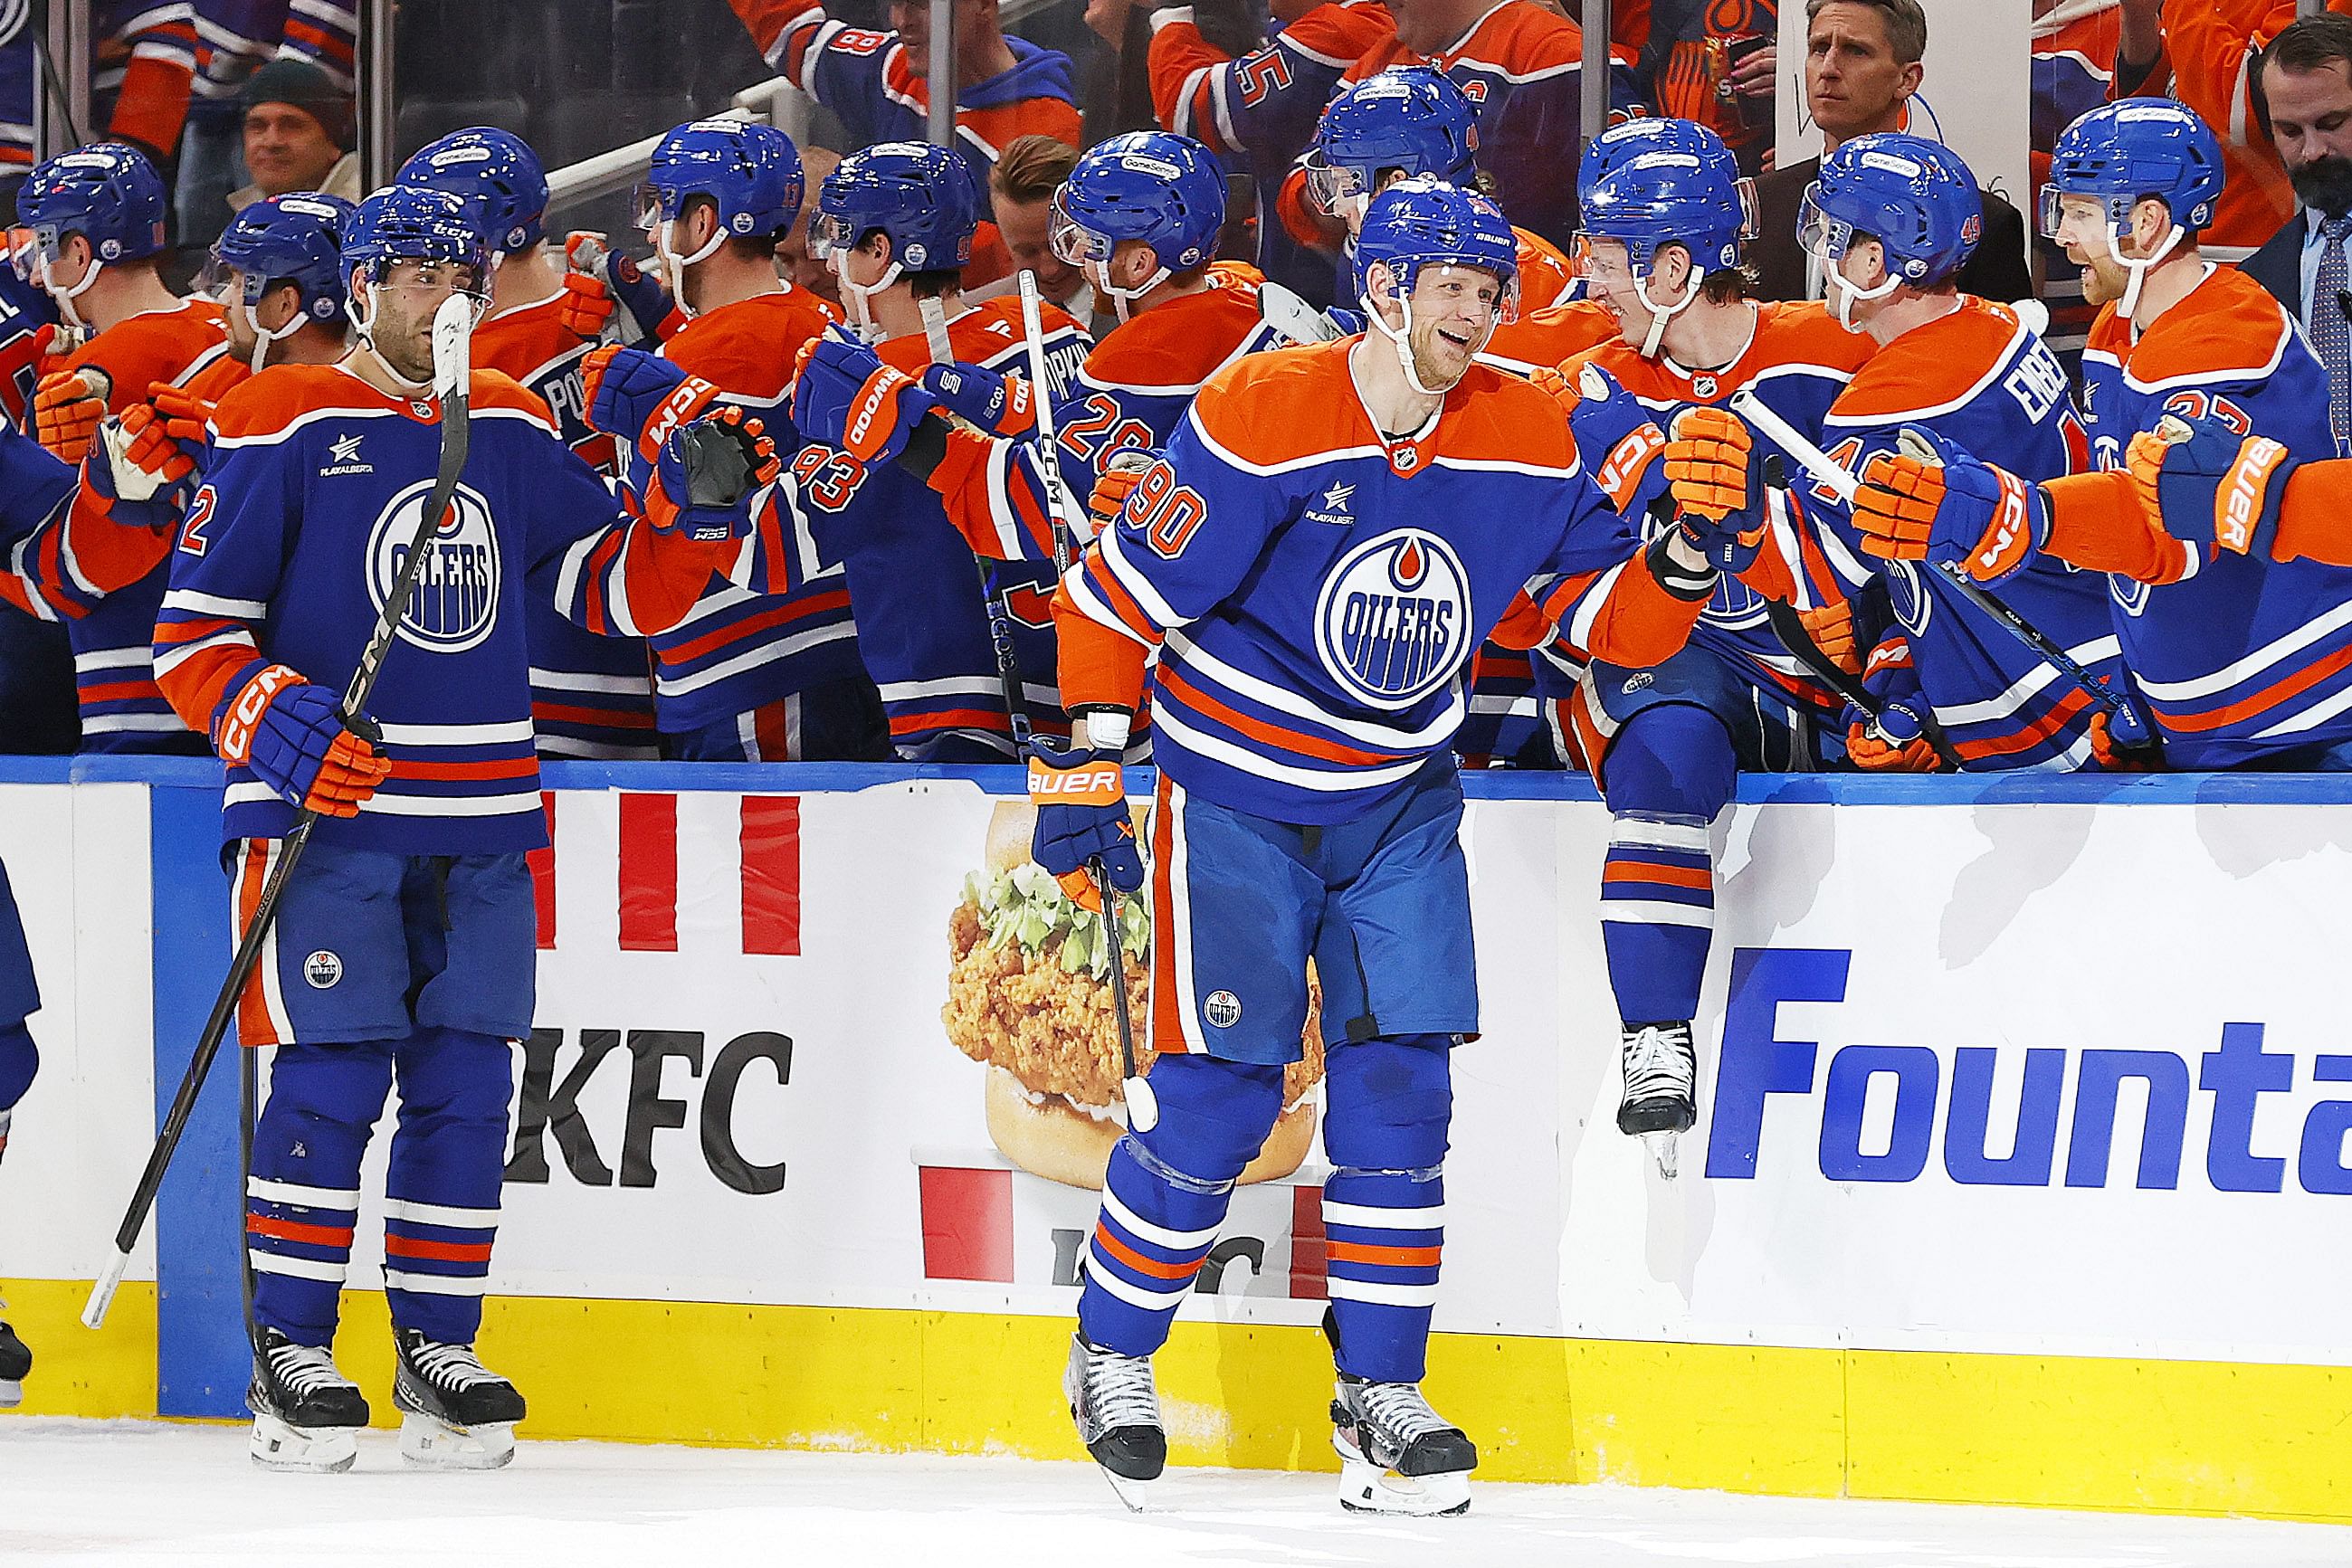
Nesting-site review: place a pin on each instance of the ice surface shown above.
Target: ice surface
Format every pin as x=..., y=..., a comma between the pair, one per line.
x=149, y=1492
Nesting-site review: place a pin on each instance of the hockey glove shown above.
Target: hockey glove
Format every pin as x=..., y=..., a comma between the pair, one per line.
x=2204, y=485
x=1895, y=741
x=1934, y=502
x=1716, y=483
x=639, y=397
x=291, y=733
x=844, y=396
x=704, y=472
x=1830, y=627
x=1613, y=430
x=1082, y=819
x=66, y=407
x=2118, y=755
x=1127, y=468
x=597, y=278
x=999, y=404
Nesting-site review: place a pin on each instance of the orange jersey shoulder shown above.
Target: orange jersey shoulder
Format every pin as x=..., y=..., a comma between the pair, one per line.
x=1176, y=344
x=1544, y=277
x=1805, y=333
x=982, y=335
x=1520, y=35
x=2228, y=327
x=282, y=397
x=524, y=340
x=154, y=346
x=1934, y=367
x=749, y=346
x=1548, y=335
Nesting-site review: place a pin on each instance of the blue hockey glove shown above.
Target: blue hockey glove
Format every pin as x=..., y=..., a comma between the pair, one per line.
x=999, y=404
x=2210, y=486
x=1082, y=819
x=290, y=732
x=1935, y=502
x=640, y=397
x=844, y=396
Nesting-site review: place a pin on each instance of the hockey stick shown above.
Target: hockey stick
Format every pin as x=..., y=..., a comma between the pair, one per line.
x=1142, y=1104
x=2122, y=716
x=452, y=327
x=1058, y=494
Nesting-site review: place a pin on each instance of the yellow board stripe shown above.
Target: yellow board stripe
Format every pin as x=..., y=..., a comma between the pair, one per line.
x=2061, y=1431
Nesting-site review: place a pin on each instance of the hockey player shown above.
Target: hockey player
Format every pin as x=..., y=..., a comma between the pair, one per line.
x=404, y=938
x=879, y=83
x=2244, y=663
x=895, y=230
x=92, y=234
x=20, y=997
x=1332, y=530
x=591, y=697
x=1663, y=237
x=750, y=676
x=1890, y=221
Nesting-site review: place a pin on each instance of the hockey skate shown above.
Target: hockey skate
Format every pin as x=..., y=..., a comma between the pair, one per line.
x=1116, y=1411
x=306, y=1415
x=456, y=1413
x=1661, y=1084
x=1396, y=1454
x=16, y=1362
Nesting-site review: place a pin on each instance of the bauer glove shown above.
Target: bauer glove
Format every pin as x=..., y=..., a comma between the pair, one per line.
x=2203, y=484
x=1082, y=819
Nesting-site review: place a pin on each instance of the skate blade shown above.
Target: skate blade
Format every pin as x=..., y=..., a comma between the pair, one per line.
x=1365, y=1487
x=12, y=1394
x=1134, y=1494
x=325, y=1450
x=441, y=1447
x=1665, y=1152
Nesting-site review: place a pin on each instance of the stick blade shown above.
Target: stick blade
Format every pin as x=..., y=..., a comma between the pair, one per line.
x=102, y=1293
x=453, y=328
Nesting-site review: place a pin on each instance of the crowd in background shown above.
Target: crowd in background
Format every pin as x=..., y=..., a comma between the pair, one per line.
x=238, y=99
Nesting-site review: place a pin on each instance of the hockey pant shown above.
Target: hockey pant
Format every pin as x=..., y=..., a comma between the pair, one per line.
x=1388, y=1105
x=1669, y=773
x=19, y=995
x=833, y=721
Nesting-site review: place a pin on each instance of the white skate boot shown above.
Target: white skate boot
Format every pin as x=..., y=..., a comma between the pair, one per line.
x=1661, y=1080
x=1396, y=1454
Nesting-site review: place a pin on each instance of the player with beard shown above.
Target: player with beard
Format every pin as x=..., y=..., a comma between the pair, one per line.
x=1300, y=582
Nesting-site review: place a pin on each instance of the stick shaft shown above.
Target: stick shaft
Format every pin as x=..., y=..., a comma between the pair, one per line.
x=1049, y=463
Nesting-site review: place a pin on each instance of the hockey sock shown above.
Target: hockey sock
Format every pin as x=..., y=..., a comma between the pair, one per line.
x=1389, y=1102
x=19, y=1060
x=302, y=1196
x=1670, y=772
x=441, y=1194
x=1166, y=1194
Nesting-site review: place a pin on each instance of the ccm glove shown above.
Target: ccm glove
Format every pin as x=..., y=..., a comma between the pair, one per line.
x=291, y=733
x=999, y=404
x=844, y=396
x=1082, y=820
x=66, y=408
x=704, y=474
x=1935, y=502
x=635, y=396
x=2203, y=484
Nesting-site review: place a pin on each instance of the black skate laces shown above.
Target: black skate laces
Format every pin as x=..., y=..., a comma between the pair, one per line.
x=1118, y=1390
x=305, y=1368
x=1659, y=1063
x=449, y=1365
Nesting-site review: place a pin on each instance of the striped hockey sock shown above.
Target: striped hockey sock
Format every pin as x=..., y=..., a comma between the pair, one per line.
x=1155, y=1229
x=1657, y=915
x=1384, y=1233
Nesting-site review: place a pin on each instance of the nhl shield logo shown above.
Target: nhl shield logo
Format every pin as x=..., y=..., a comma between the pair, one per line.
x=1392, y=620
x=454, y=603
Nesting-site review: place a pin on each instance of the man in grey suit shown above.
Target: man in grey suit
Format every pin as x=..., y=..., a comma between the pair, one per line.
x=1862, y=63
x=2306, y=80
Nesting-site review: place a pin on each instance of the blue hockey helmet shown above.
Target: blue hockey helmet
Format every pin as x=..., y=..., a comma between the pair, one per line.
x=1629, y=139
x=1422, y=221
x=496, y=174
x=750, y=172
x=108, y=193
x=1685, y=190
x=1410, y=118
x=295, y=238
x=918, y=195
x=410, y=223
x=1148, y=187
x=2134, y=148
x=1912, y=195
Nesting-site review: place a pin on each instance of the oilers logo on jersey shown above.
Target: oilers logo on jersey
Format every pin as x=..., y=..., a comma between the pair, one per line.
x=1392, y=617
x=454, y=606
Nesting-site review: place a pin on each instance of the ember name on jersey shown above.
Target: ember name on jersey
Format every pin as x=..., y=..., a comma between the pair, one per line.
x=282, y=560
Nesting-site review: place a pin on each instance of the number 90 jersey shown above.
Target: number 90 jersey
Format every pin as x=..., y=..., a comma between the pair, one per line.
x=1315, y=593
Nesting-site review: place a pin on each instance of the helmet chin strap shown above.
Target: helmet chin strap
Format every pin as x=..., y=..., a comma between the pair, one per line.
x=2140, y=269
x=1401, y=338
x=1098, y=274
x=263, y=336
x=674, y=265
x=66, y=296
x=1848, y=294
x=861, y=301
x=1661, y=315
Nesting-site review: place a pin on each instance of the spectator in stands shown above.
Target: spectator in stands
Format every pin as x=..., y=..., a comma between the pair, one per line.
x=2305, y=77
x=2074, y=61
x=1861, y=66
x=1020, y=192
x=297, y=134
x=2203, y=55
x=1713, y=61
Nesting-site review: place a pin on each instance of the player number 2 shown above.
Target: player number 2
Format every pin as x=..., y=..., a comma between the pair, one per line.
x=200, y=513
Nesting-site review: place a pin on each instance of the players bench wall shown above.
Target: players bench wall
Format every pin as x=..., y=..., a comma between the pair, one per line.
x=2021, y=1173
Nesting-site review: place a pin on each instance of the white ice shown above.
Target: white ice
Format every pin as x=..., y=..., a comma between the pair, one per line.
x=147, y=1492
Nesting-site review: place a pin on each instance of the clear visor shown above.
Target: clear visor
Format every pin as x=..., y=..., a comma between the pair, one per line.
x=1330, y=186
x=828, y=233
x=1458, y=291
x=647, y=202
x=32, y=251
x=1821, y=236
x=429, y=280
x=223, y=281
x=2076, y=216
x=1604, y=264
x=1073, y=242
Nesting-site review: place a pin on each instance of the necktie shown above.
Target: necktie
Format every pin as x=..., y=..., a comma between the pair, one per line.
x=2331, y=334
